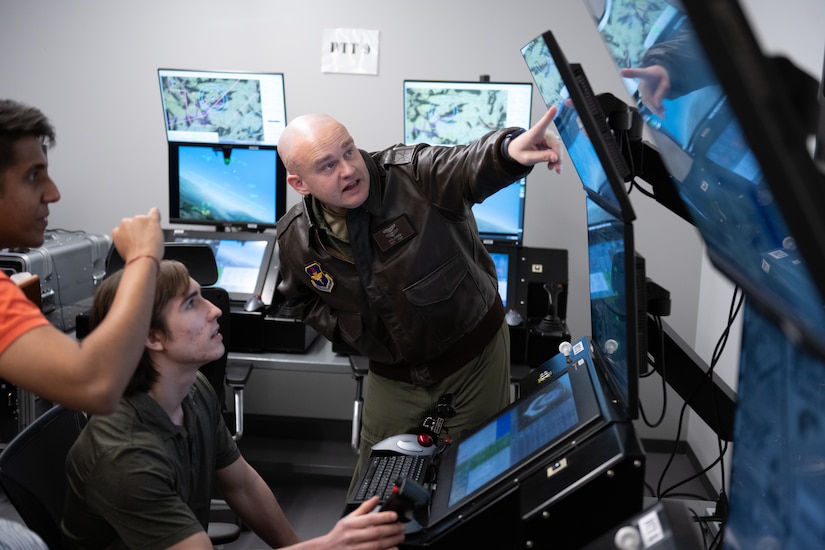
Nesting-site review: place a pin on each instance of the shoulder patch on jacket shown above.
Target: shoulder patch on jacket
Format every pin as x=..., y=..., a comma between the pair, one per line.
x=319, y=278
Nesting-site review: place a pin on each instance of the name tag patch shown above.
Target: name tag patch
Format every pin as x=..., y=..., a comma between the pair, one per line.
x=394, y=233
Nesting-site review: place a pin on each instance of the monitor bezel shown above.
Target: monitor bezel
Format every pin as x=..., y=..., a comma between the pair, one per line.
x=249, y=225
x=489, y=237
x=173, y=236
x=220, y=74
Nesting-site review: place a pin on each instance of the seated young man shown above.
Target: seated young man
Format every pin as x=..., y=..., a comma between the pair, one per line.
x=143, y=476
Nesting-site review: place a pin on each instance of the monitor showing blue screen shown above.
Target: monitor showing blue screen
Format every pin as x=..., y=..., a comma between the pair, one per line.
x=501, y=444
x=458, y=113
x=223, y=106
x=226, y=185
x=505, y=271
x=243, y=259
x=718, y=177
x=615, y=310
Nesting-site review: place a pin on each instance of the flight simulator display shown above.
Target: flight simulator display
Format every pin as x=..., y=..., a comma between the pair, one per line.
x=518, y=480
x=458, y=113
x=211, y=184
x=222, y=129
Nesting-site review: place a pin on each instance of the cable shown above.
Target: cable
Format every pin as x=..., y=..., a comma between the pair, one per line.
x=664, y=380
x=735, y=308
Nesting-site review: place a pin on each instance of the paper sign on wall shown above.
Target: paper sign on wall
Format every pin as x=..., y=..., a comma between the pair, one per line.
x=350, y=51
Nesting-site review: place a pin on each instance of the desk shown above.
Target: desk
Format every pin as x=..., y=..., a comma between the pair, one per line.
x=318, y=383
x=315, y=384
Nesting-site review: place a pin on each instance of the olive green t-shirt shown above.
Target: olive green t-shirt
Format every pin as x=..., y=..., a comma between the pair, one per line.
x=135, y=480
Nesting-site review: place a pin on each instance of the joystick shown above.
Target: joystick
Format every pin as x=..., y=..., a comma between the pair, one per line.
x=409, y=500
x=552, y=323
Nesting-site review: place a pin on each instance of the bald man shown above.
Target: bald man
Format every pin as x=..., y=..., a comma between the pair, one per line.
x=383, y=254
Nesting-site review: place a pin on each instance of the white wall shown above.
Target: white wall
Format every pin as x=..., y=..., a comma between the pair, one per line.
x=91, y=66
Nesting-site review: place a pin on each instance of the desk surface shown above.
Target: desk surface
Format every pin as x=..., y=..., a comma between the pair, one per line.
x=319, y=357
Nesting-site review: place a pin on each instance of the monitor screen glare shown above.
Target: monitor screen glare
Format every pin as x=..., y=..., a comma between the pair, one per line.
x=223, y=107
x=458, y=113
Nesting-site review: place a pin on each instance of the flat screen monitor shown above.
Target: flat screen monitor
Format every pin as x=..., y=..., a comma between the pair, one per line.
x=506, y=261
x=742, y=200
x=777, y=495
x=243, y=260
x=223, y=106
x=581, y=124
x=523, y=435
x=226, y=185
x=458, y=113
x=618, y=312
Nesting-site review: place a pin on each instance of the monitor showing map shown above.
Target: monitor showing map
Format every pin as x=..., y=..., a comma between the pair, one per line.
x=458, y=113
x=223, y=107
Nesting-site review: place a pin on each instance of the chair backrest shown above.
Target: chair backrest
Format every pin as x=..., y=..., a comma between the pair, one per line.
x=32, y=470
x=216, y=370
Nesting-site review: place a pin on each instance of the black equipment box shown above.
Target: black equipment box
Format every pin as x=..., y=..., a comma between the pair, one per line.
x=263, y=331
x=667, y=525
x=69, y=264
x=567, y=503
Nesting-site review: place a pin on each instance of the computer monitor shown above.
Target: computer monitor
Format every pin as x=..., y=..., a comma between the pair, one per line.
x=243, y=260
x=618, y=310
x=226, y=185
x=458, y=113
x=734, y=147
x=223, y=106
x=547, y=422
x=506, y=260
x=581, y=124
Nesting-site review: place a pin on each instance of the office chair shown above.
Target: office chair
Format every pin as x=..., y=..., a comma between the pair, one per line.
x=359, y=366
x=32, y=470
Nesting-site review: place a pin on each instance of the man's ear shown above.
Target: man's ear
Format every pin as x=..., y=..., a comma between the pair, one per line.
x=297, y=183
x=154, y=341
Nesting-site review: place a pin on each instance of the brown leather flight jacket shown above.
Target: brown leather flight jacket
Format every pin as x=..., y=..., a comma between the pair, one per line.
x=419, y=297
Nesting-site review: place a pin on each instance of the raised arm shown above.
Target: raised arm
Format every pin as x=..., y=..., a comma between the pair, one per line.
x=91, y=375
x=539, y=144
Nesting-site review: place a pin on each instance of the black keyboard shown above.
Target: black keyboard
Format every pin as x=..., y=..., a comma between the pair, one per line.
x=384, y=470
